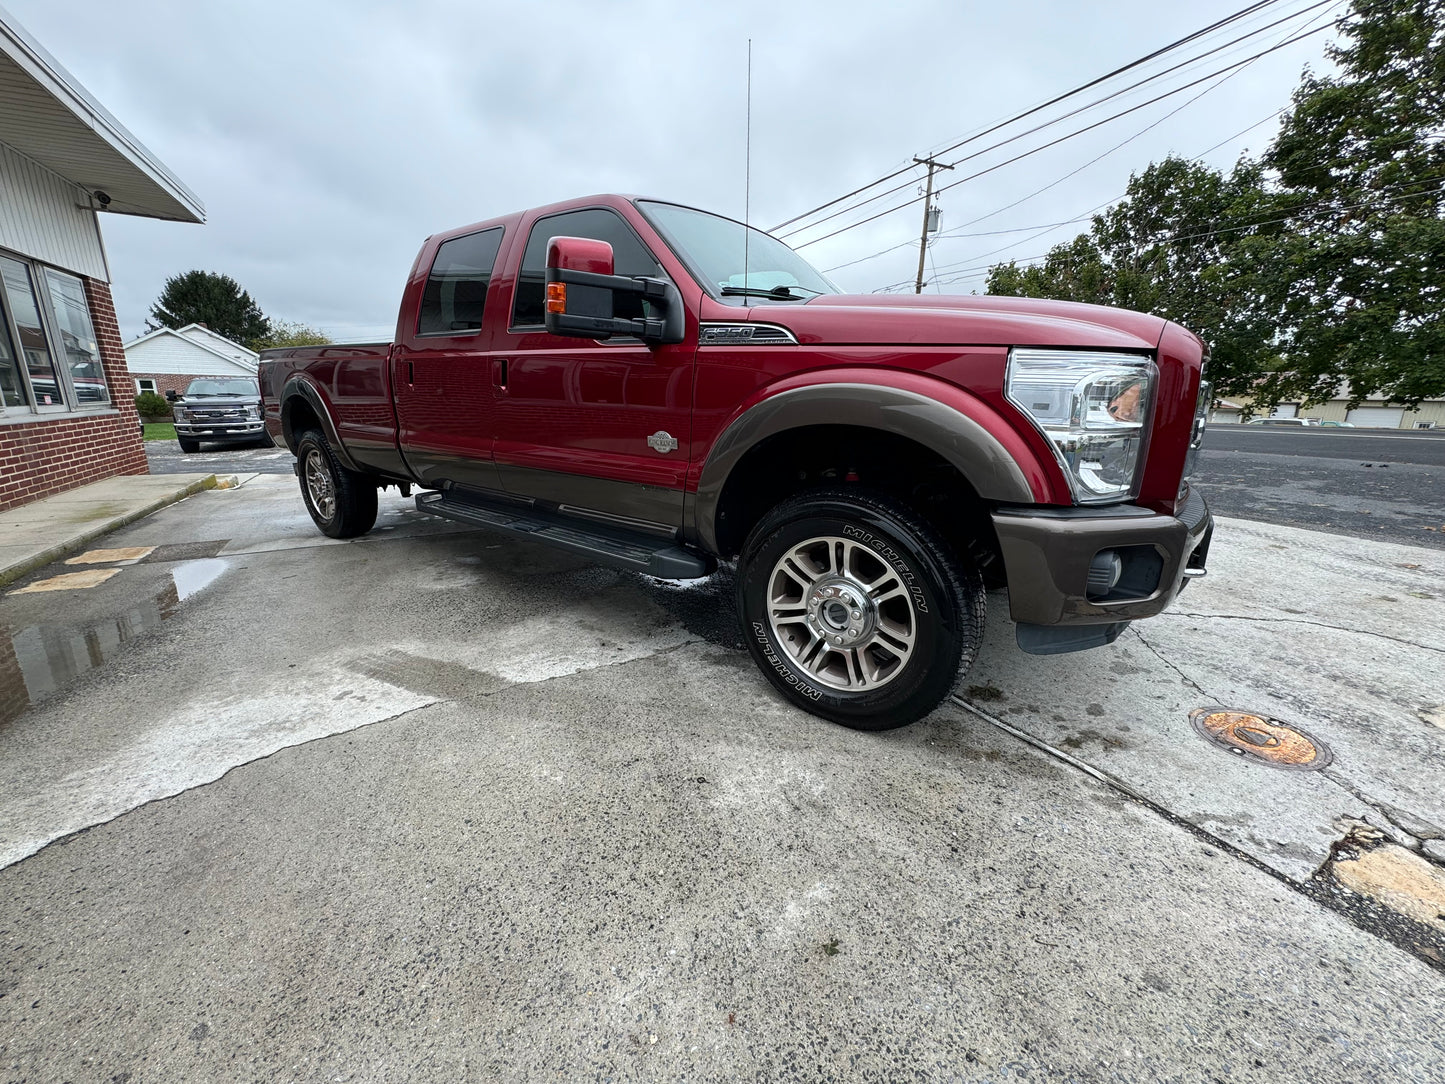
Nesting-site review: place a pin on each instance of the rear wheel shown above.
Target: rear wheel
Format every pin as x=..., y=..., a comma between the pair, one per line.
x=341, y=502
x=856, y=609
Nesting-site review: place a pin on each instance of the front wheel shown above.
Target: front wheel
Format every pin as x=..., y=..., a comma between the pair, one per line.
x=341, y=502
x=856, y=609
x=188, y=446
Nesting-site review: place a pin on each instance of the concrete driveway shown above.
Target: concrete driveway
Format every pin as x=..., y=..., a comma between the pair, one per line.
x=435, y=805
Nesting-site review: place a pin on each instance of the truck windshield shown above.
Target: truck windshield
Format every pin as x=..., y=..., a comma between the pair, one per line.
x=712, y=247
x=223, y=386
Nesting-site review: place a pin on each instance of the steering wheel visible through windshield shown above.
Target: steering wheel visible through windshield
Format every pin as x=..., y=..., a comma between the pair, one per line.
x=713, y=248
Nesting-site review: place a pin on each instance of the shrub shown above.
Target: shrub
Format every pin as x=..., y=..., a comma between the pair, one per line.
x=151, y=405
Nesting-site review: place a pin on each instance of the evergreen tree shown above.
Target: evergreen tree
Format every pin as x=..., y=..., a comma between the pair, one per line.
x=204, y=297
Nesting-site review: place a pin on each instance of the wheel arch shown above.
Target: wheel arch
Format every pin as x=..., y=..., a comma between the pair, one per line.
x=303, y=407
x=912, y=427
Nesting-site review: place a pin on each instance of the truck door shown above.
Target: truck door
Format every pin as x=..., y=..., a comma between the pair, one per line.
x=441, y=380
x=599, y=428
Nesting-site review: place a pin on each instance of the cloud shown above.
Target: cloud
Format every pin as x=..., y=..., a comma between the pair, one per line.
x=328, y=139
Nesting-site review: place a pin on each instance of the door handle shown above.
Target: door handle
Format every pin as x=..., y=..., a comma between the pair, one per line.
x=499, y=373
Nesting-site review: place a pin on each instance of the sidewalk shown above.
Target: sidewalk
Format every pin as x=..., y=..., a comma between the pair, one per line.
x=35, y=534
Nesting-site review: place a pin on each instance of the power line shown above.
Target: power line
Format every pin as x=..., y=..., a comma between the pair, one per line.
x=1071, y=135
x=1047, y=124
x=1242, y=13
x=1422, y=186
x=980, y=270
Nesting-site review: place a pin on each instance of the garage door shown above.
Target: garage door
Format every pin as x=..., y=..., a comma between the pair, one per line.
x=1377, y=417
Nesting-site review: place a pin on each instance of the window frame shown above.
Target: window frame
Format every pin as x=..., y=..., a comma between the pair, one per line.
x=522, y=259
x=56, y=336
x=140, y=389
x=54, y=343
x=501, y=231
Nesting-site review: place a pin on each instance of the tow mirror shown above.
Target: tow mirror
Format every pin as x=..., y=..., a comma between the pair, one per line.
x=170, y=397
x=584, y=297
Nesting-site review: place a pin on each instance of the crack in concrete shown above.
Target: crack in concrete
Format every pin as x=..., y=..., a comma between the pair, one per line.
x=1182, y=675
x=1376, y=921
x=1396, y=817
x=1302, y=621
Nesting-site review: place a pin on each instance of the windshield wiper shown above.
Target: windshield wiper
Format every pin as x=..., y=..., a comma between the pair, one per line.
x=778, y=293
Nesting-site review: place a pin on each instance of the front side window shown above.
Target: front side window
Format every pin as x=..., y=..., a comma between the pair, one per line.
x=629, y=257
x=25, y=312
x=77, y=338
x=456, y=288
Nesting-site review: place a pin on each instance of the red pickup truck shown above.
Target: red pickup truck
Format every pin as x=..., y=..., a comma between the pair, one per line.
x=659, y=388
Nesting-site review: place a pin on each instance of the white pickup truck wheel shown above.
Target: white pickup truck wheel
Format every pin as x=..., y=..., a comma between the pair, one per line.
x=856, y=609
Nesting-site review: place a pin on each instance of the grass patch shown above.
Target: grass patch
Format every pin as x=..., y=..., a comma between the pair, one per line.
x=160, y=431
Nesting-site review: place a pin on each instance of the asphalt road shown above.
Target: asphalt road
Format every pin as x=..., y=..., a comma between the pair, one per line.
x=166, y=457
x=438, y=805
x=1366, y=483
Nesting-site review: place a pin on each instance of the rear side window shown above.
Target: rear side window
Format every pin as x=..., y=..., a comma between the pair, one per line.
x=629, y=257
x=456, y=288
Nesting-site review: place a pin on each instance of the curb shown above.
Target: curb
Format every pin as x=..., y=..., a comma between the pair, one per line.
x=76, y=542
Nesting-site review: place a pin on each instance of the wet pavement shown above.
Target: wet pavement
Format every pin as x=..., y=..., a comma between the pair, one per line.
x=432, y=803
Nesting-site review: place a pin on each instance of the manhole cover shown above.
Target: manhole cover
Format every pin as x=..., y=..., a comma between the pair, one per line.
x=1262, y=739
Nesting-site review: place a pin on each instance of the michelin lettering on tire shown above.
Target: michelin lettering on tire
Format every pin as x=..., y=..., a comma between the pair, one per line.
x=784, y=671
x=889, y=554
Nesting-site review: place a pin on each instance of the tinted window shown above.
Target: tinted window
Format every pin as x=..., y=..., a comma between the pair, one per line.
x=629, y=257
x=456, y=289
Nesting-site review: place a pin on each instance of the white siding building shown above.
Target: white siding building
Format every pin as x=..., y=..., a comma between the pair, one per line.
x=166, y=360
x=67, y=406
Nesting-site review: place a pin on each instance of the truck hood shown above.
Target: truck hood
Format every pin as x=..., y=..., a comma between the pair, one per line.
x=943, y=319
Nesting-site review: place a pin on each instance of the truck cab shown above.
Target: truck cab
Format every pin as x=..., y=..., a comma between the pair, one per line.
x=661, y=389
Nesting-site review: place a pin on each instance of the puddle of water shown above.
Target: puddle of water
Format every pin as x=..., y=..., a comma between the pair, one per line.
x=192, y=576
x=43, y=659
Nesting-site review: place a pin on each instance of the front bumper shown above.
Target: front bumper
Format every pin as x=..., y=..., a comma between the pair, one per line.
x=1047, y=553
x=221, y=432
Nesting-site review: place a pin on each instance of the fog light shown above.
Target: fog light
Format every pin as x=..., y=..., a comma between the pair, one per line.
x=1104, y=572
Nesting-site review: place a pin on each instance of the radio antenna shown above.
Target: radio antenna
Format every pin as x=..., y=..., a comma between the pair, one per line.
x=748, y=166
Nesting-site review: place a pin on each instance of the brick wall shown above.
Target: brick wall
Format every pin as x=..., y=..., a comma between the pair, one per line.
x=50, y=455
x=164, y=382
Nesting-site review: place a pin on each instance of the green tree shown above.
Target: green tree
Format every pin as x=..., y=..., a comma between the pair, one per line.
x=1361, y=164
x=205, y=297
x=1177, y=245
x=285, y=333
x=1322, y=265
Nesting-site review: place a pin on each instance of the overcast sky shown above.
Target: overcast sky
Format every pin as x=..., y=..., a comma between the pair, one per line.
x=328, y=139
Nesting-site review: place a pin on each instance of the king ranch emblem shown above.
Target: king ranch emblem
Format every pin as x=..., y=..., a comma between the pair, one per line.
x=662, y=441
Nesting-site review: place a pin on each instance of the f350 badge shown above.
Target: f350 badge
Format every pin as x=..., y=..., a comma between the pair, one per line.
x=662, y=441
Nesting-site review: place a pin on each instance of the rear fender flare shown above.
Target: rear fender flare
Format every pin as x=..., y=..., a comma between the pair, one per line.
x=306, y=390
x=958, y=438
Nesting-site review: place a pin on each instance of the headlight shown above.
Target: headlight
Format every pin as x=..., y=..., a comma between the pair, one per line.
x=181, y=414
x=1093, y=408
x=253, y=413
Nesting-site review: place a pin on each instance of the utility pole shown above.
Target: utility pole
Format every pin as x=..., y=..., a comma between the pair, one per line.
x=927, y=206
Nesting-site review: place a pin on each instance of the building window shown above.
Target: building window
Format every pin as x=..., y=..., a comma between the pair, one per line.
x=77, y=338
x=145, y=384
x=49, y=358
